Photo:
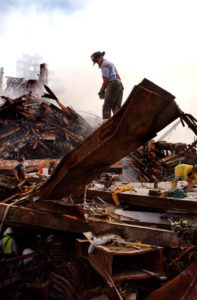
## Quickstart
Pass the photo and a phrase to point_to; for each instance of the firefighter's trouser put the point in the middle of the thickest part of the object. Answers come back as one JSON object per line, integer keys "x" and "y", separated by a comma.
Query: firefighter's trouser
{"x": 113, "y": 98}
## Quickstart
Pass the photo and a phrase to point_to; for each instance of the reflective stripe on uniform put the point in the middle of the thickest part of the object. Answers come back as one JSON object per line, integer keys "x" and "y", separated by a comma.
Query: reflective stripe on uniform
{"x": 7, "y": 245}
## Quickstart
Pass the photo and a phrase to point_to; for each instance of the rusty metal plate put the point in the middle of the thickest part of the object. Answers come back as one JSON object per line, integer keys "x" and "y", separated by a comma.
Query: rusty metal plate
{"x": 184, "y": 286}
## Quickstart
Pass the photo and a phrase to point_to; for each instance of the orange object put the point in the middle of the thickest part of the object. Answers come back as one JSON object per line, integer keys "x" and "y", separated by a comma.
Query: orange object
{"x": 40, "y": 170}
{"x": 156, "y": 171}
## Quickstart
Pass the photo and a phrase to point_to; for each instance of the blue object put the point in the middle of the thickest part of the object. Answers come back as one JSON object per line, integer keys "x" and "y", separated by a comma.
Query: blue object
{"x": 108, "y": 70}
{"x": 178, "y": 193}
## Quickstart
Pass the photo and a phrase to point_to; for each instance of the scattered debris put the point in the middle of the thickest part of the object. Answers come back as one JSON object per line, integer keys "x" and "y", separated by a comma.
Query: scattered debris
{"x": 155, "y": 161}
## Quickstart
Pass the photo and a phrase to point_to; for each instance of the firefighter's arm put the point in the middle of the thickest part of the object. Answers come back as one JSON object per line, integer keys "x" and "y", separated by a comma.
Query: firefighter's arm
{"x": 102, "y": 90}
{"x": 105, "y": 81}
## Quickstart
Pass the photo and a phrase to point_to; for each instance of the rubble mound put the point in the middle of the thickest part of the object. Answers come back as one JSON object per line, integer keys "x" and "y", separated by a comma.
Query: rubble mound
{"x": 37, "y": 129}
{"x": 155, "y": 161}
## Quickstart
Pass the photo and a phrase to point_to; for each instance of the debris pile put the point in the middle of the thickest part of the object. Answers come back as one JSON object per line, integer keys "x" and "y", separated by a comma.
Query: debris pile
{"x": 38, "y": 129}
{"x": 155, "y": 161}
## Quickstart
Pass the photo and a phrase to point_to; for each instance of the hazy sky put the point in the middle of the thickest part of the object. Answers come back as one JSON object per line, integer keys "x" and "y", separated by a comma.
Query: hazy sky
{"x": 151, "y": 39}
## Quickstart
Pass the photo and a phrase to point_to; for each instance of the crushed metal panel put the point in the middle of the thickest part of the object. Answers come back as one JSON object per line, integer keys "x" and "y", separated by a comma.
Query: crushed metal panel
{"x": 136, "y": 122}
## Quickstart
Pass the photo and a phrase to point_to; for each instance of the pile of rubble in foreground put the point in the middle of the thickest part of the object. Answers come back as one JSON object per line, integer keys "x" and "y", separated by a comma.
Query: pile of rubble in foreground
{"x": 93, "y": 248}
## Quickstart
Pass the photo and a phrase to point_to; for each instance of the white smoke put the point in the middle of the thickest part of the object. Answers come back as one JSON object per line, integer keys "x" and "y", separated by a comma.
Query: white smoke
{"x": 151, "y": 39}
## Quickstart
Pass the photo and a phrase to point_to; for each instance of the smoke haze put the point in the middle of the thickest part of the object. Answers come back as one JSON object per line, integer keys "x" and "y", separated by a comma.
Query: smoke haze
{"x": 145, "y": 39}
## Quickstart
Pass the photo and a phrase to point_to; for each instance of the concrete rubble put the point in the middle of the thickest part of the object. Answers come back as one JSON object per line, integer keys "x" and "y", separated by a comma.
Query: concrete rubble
{"x": 91, "y": 234}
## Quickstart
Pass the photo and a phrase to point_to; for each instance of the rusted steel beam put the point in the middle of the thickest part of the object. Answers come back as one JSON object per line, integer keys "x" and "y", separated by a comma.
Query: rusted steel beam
{"x": 23, "y": 216}
{"x": 154, "y": 236}
{"x": 147, "y": 110}
{"x": 185, "y": 205}
{"x": 184, "y": 286}
{"x": 54, "y": 207}
{"x": 121, "y": 265}
{"x": 192, "y": 247}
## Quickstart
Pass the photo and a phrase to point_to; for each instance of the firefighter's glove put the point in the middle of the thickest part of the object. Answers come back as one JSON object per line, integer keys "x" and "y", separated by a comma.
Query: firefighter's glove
{"x": 101, "y": 94}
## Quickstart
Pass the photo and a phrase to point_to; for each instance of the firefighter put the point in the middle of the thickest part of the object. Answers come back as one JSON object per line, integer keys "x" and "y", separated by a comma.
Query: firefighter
{"x": 188, "y": 172}
{"x": 112, "y": 89}
{"x": 8, "y": 244}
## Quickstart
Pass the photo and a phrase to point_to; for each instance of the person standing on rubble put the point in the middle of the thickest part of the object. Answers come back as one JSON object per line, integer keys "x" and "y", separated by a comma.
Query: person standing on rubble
{"x": 112, "y": 89}
{"x": 7, "y": 244}
{"x": 188, "y": 172}
{"x": 20, "y": 170}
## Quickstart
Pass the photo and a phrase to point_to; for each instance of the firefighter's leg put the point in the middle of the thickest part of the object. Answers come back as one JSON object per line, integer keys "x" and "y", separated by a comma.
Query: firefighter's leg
{"x": 110, "y": 93}
{"x": 118, "y": 94}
